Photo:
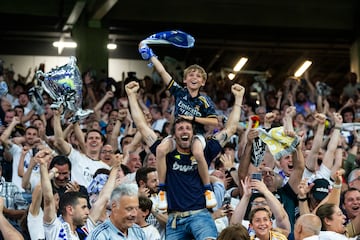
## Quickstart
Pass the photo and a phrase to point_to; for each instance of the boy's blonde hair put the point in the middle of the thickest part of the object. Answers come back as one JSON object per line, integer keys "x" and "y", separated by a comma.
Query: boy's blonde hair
{"x": 195, "y": 67}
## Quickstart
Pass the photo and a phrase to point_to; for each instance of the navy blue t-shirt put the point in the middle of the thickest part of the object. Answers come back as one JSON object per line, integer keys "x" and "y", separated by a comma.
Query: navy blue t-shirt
{"x": 199, "y": 106}
{"x": 184, "y": 186}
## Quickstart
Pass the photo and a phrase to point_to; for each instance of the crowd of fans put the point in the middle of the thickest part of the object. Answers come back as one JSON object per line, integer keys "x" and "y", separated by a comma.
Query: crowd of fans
{"x": 286, "y": 167}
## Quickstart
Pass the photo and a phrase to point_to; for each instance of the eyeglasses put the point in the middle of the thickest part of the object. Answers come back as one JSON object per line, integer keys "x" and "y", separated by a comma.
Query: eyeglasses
{"x": 264, "y": 173}
{"x": 260, "y": 203}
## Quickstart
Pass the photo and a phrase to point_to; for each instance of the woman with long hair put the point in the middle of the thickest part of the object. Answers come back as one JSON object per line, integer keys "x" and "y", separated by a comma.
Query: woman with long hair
{"x": 333, "y": 222}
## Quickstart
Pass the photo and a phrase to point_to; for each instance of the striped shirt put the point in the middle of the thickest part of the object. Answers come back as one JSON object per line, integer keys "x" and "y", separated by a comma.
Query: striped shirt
{"x": 107, "y": 231}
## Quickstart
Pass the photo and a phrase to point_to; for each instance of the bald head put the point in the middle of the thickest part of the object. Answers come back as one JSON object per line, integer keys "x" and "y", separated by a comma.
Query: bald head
{"x": 307, "y": 225}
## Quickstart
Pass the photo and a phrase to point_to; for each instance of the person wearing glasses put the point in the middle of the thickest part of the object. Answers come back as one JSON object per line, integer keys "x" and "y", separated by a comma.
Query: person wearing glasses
{"x": 263, "y": 198}
{"x": 106, "y": 154}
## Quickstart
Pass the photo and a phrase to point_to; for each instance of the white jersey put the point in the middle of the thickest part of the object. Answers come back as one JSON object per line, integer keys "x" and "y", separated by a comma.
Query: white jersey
{"x": 83, "y": 167}
{"x": 35, "y": 225}
{"x": 15, "y": 150}
{"x": 151, "y": 232}
{"x": 323, "y": 172}
{"x": 152, "y": 219}
{"x": 159, "y": 124}
{"x": 59, "y": 229}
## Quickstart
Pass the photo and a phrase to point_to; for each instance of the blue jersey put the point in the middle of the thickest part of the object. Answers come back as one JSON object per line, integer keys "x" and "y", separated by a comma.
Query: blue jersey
{"x": 199, "y": 106}
{"x": 186, "y": 191}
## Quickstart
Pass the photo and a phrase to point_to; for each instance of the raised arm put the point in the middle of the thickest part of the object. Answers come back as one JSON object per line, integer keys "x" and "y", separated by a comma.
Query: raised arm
{"x": 80, "y": 137}
{"x": 303, "y": 190}
{"x": 140, "y": 97}
{"x": 262, "y": 99}
{"x": 311, "y": 159}
{"x": 88, "y": 88}
{"x": 104, "y": 195}
{"x": 328, "y": 159}
{"x": 27, "y": 174}
{"x": 68, "y": 130}
{"x": 116, "y": 131}
{"x": 36, "y": 198}
{"x": 148, "y": 54}
{"x": 61, "y": 145}
{"x": 245, "y": 158}
{"x": 349, "y": 104}
{"x": 282, "y": 218}
{"x": 20, "y": 169}
{"x": 7, "y": 230}
{"x": 312, "y": 90}
{"x": 288, "y": 121}
{"x": 240, "y": 209}
{"x": 6, "y": 134}
{"x": 132, "y": 147}
{"x": 319, "y": 104}
{"x": 234, "y": 117}
{"x": 27, "y": 117}
{"x": 97, "y": 109}
{"x": 148, "y": 135}
{"x": 338, "y": 159}
{"x": 279, "y": 95}
{"x": 206, "y": 121}
{"x": 299, "y": 166}
{"x": 43, "y": 157}
{"x": 335, "y": 193}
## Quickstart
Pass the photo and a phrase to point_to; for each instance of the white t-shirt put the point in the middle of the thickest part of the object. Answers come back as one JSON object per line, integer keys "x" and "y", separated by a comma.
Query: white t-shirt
{"x": 130, "y": 178}
{"x": 330, "y": 235}
{"x": 315, "y": 237}
{"x": 34, "y": 180}
{"x": 35, "y": 225}
{"x": 151, "y": 232}
{"x": 83, "y": 167}
{"x": 15, "y": 150}
{"x": 323, "y": 172}
{"x": 159, "y": 124}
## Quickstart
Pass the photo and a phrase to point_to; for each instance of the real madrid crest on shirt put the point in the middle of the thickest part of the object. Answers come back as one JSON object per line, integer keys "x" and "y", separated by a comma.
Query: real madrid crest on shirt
{"x": 193, "y": 160}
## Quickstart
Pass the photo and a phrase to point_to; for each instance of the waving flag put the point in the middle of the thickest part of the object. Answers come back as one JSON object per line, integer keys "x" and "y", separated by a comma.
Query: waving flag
{"x": 278, "y": 143}
{"x": 176, "y": 37}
